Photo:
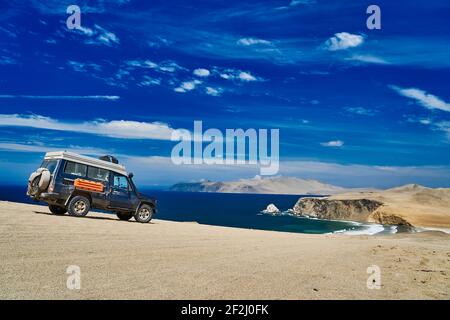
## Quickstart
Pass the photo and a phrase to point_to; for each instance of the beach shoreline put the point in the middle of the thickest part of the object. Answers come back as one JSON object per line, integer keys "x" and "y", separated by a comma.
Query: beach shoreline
{"x": 183, "y": 260}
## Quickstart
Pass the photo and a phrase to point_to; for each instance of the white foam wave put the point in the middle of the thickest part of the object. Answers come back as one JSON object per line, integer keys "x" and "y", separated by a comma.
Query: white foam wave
{"x": 446, "y": 230}
{"x": 366, "y": 229}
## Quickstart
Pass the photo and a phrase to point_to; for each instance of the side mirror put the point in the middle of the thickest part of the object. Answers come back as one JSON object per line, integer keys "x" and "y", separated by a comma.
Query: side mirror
{"x": 130, "y": 175}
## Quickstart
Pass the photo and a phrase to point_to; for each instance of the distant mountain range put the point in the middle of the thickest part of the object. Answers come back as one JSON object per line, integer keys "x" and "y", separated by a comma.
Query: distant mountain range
{"x": 272, "y": 185}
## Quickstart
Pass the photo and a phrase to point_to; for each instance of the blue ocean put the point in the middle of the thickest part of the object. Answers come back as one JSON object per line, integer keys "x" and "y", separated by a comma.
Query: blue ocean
{"x": 231, "y": 210}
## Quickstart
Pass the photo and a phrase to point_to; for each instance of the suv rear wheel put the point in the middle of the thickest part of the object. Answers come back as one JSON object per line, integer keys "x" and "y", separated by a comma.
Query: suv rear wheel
{"x": 124, "y": 215}
{"x": 57, "y": 209}
{"x": 79, "y": 206}
{"x": 144, "y": 214}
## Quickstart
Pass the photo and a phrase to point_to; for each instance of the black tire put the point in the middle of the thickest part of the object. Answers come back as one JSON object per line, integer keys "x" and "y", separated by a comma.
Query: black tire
{"x": 79, "y": 206}
{"x": 124, "y": 215}
{"x": 144, "y": 214}
{"x": 58, "y": 210}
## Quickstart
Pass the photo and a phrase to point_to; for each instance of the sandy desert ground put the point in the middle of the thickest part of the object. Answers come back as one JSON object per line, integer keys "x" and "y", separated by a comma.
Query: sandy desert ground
{"x": 173, "y": 260}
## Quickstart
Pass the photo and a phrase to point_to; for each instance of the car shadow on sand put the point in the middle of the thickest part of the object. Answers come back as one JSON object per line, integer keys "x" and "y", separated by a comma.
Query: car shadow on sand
{"x": 89, "y": 217}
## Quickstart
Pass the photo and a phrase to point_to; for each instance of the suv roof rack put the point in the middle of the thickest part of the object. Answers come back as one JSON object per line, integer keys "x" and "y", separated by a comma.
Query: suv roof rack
{"x": 71, "y": 156}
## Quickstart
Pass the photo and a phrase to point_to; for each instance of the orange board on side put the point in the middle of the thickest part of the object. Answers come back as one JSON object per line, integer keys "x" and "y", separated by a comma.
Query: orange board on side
{"x": 88, "y": 185}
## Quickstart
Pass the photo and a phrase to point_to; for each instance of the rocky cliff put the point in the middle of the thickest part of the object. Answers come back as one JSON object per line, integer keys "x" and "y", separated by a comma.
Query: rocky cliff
{"x": 357, "y": 210}
{"x": 409, "y": 205}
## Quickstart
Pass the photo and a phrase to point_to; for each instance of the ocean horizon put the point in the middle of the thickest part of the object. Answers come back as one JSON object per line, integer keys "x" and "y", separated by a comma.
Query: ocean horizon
{"x": 237, "y": 210}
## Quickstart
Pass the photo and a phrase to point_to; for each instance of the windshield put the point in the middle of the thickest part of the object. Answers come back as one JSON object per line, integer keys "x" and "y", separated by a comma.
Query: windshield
{"x": 50, "y": 165}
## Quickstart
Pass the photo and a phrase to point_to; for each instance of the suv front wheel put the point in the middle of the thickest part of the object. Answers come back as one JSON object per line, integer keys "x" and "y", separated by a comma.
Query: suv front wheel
{"x": 79, "y": 206}
{"x": 144, "y": 214}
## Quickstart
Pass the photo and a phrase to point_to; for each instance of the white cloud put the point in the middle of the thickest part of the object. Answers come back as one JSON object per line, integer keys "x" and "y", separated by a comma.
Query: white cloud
{"x": 333, "y": 143}
{"x": 361, "y": 111}
{"x": 367, "y": 59}
{"x": 167, "y": 66}
{"x": 423, "y": 98}
{"x": 107, "y": 37}
{"x": 235, "y": 74}
{"x": 295, "y": 3}
{"x": 213, "y": 92}
{"x": 187, "y": 86}
{"x": 425, "y": 121}
{"x": 343, "y": 40}
{"x": 246, "y": 76}
{"x": 252, "y": 41}
{"x": 86, "y": 31}
{"x": 83, "y": 66}
{"x": 149, "y": 81}
{"x": 96, "y": 97}
{"x": 141, "y": 64}
{"x": 116, "y": 128}
{"x": 98, "y": 35}
{"x": 201, "y": 72}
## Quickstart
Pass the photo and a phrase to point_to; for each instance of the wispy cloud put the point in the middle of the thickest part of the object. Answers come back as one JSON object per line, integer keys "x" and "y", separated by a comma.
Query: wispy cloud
{"x": 333, "y": 144}
{"x": 361, "y": 111}
{"x": 83, "y": 66}
{"x": 252, "y": 42}
{"x": 106, "y": 37}
{"x": 23, "y": 147}
{"x": 124, "y": 129}
{"x": 366, "y": 58}
{"x": 234, "y": 74}
{"x": 201, "y": 72}
{"x": 4, "y": 60}
{"x": 213, "y": 91}
{"x": 95, "y": 97}
{"x": 444, "y": 126}
{"x": 187, "y": 86}
{"x": 149, "y": 81}
{"x": 423, "y": 98}
{"x": 97, "y": 35}
{"x": 166, "y": 66}
{"x": 9, "y": 33}
{"x": 343, "y": 40}
{"x": 295, "y": 3}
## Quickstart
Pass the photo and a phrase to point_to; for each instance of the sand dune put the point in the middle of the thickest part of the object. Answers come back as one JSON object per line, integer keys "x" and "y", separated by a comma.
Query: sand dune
{"x": 173, "y": 260}
{"x": 418, "y": 205}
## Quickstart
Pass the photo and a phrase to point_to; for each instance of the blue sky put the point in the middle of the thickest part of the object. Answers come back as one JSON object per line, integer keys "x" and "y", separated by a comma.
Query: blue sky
{"x": 355, "y": 107}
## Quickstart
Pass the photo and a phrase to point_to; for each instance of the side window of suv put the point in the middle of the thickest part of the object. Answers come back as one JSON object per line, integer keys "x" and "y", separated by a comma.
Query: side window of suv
{"x": 98, "y": 174}
{"x": 120, "y": 182}
{"x": 76, "y": 169}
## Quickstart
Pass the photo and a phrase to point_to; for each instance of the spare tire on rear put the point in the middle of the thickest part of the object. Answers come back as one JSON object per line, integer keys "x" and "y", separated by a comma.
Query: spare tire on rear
{"x": 38, "y": 181}
{"x": 45, "y": 180}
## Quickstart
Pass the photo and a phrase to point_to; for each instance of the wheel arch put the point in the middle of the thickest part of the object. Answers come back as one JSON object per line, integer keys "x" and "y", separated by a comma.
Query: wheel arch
{"x": 149, "y": 203}
{"x": 79, "y": 193}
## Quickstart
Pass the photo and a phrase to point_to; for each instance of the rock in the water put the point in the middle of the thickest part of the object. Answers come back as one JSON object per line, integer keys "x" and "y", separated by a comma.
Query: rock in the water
{"x": 271, "y": 209}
